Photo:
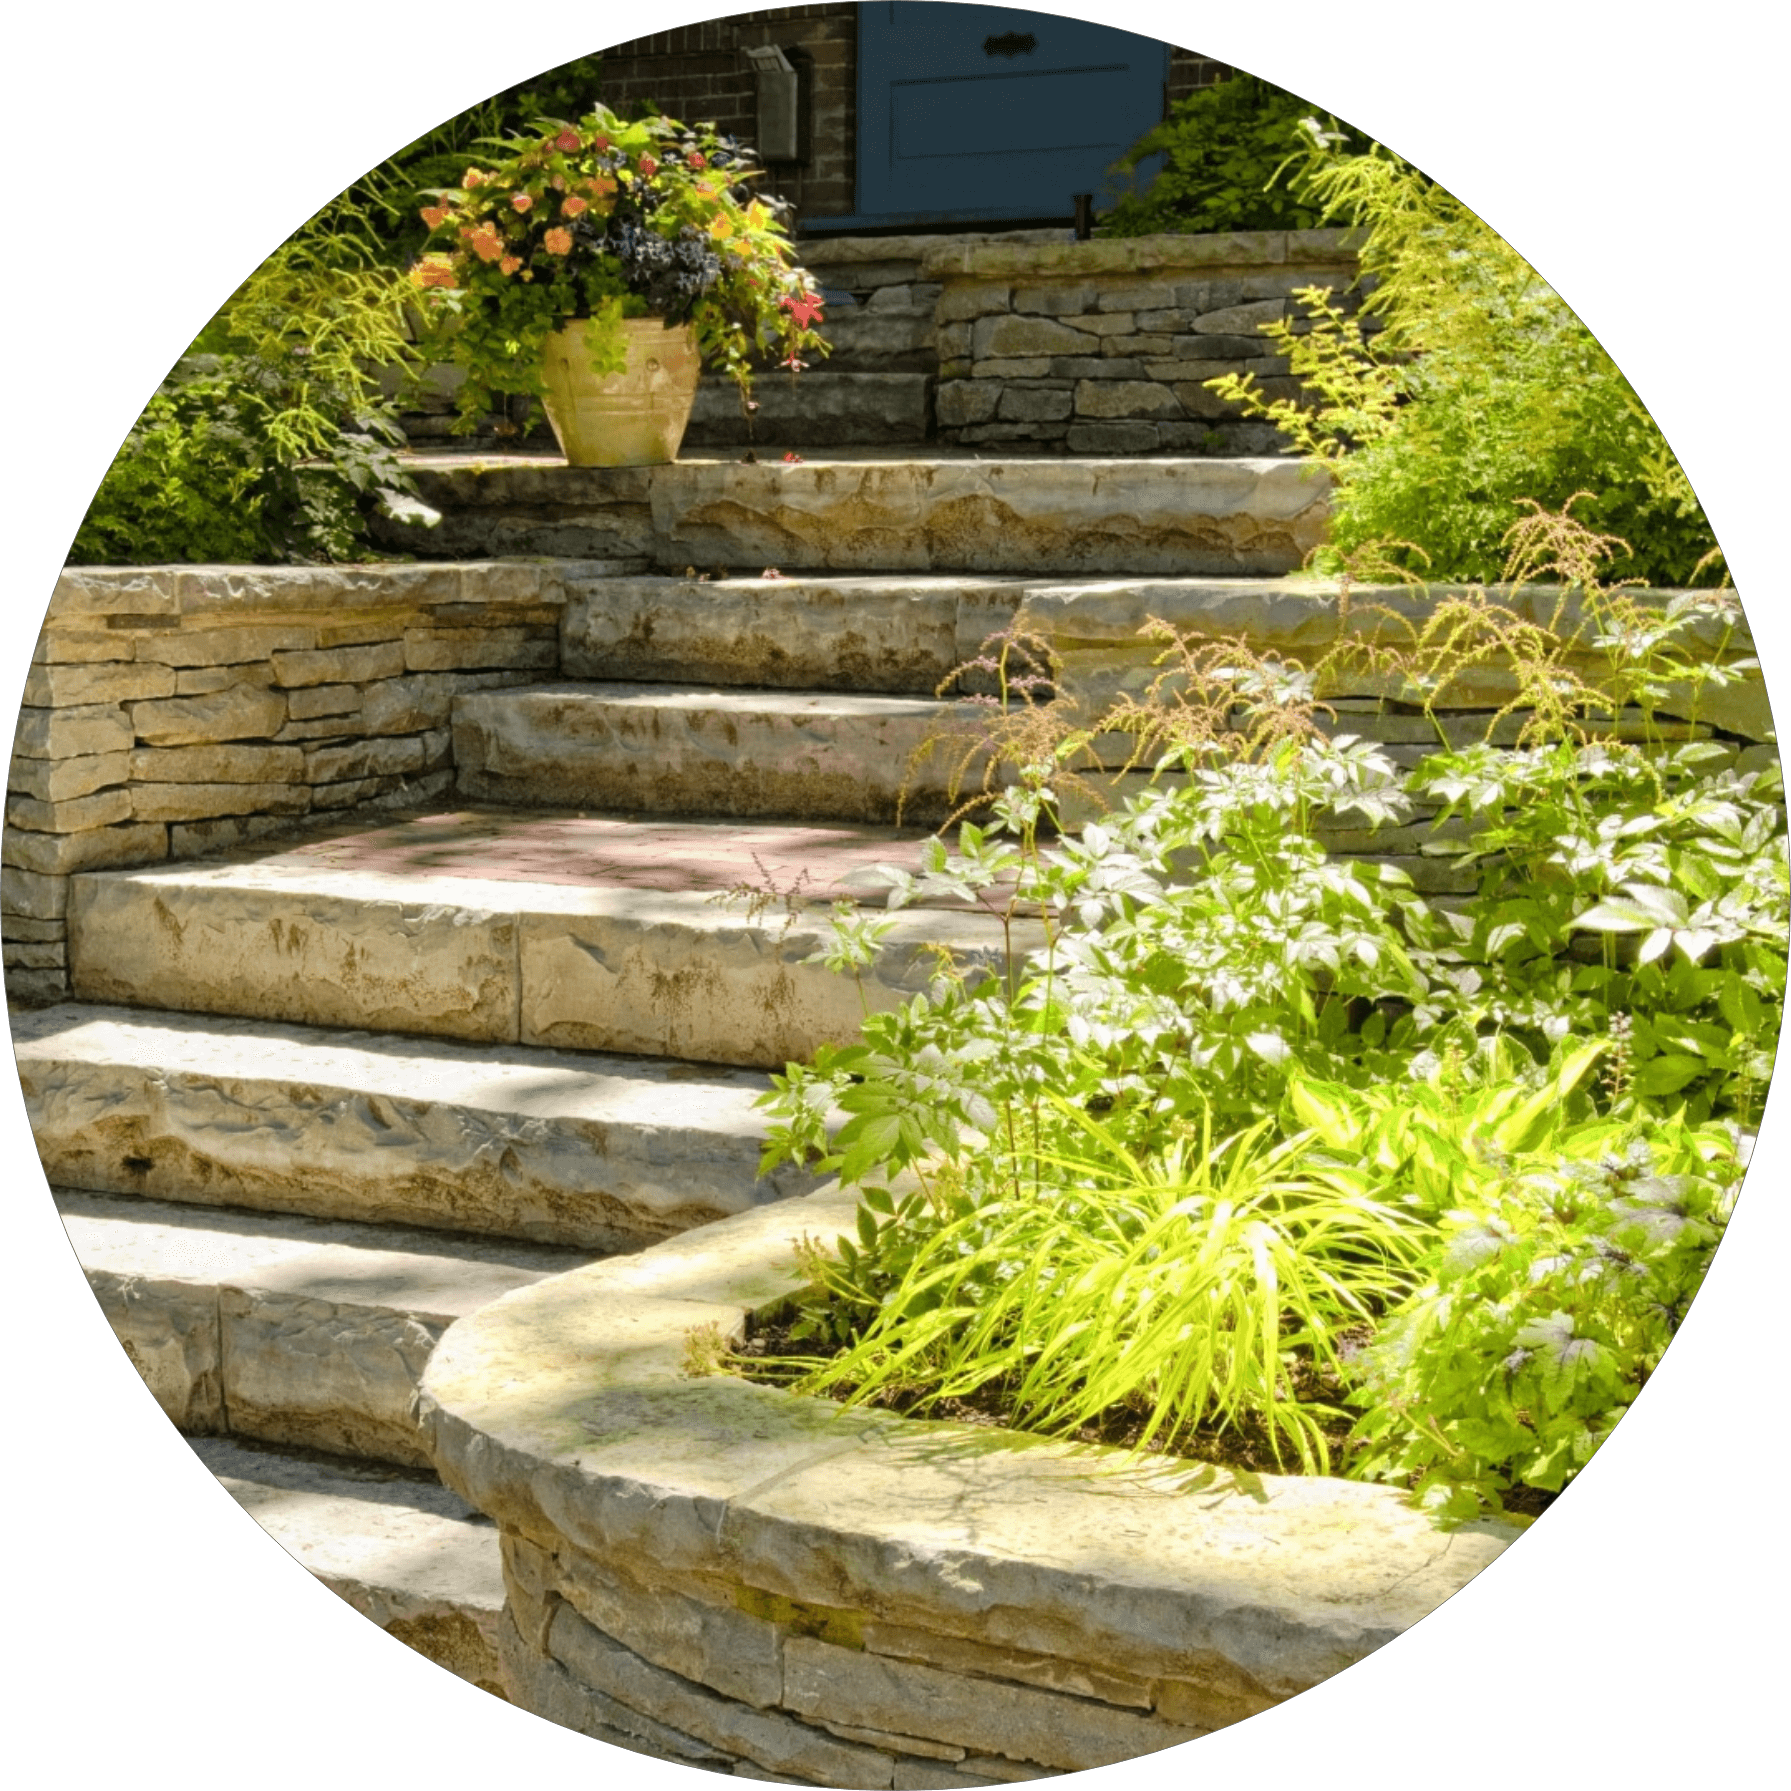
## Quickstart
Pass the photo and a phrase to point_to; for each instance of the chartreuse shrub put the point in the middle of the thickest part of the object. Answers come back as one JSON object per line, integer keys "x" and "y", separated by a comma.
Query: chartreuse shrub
{"x": 1222, "y": 148}
{"x": 1480, "y": 391}
{"x": 271, "y": 438}
{"x": 1248, "y": 1132}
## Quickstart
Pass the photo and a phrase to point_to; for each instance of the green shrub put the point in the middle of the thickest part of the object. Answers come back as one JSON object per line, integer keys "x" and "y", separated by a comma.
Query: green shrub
{"x": 1221, "y": 147}
{"x": 1481, "y": 392}
{"x": 271, "y": 439}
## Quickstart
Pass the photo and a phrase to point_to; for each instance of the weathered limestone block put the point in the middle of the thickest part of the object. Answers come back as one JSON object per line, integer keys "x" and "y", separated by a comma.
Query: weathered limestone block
{"x": 1049, "y": 1672}
{"x": 68, "y": 646}
{"x": 1138, "y": 346}
{"x": 1239, "y": 320}
{"x": 390, "y": 755}
{"x": 330, "y": 948}
{"x": 62, "y": 780}
{"x": 961, "y": 401}
{"x": 871, "y": 634}
{"x": 1114, "y": 438}
{"x": 963, "y": 300}
{"x": 338, "y": 665}
{"x": 78, "y": 814}
{"x": 1036, "y": 404}
{"x": 201, "y": 839}
{"x": 679, "y": 976}
{"x": 1029, "y": 367}
{"x": 69, "y": 686}
{"x": 655, "y": 749}
{"x": 539, "y": 1683}
{"x": 1059, "y": 299}
{"x": 1125, "y": 398}
{"x": 223, "y": 646}
{"x": 169, "y": 1329}
{"x": 769, "y": 1738}
{"x": 35, "y": 895}
{"x": 62, "y": 854}
{"x": 600, "y": 1153}
{"x": 241, "y": 712}
{"x": 1019, "y": 1721}
{"x": 206, "y": 680}
{"x": 198, "y": 802}
{"x": 323, "y": 699}
{"x": 1011, "y": 337}
{"x": 217, "y": 764}
{"x": 466, "y": 649}
{"x": 34, "y": 954}
{"x": 86, "y": 730}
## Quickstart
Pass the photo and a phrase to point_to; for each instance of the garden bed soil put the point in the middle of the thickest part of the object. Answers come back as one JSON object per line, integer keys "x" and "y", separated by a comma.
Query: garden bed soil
{"x": 1245, "y": 1450}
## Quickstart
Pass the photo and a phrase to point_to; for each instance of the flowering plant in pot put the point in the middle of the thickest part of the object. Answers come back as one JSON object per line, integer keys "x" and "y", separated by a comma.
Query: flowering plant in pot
{"x": 598, "y": 265}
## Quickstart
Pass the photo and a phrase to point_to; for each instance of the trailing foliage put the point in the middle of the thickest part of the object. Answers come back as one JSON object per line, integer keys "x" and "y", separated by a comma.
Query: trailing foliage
{"x": 1222, "y": 147}
{"x": 1480, "y": 391}
{"x": 271, "y": 439}
{"x": 1237, "y": 1103}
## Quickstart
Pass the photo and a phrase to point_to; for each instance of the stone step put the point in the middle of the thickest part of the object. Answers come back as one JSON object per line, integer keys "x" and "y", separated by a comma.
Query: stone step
{"x": 881, "y": 511}
{"x": 901, "y": 634}
{"x": 402, "y": 1549}
{"x": 562, "y": 931}
{"x": 305, "y": 1332}
{"x": 601, "y": 1153}
{"x": 665, "y": 750}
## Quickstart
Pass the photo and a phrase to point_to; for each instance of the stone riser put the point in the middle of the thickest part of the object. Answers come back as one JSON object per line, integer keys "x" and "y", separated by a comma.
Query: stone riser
{"x": 1174, "y": 518}
{"x": 557, "y": 966}
{"x": 654, "y": 749}
{"x": 597, "y": 1153}
{"x": 885, "y": 635}
{"x": 287, "y": 1330}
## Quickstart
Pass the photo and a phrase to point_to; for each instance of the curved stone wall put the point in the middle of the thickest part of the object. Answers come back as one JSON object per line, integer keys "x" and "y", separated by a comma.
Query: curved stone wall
{"x": 725, "y": 1574}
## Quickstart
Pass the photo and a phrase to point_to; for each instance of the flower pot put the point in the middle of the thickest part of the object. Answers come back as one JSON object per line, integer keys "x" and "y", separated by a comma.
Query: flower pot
{"x": 633, "y": 418}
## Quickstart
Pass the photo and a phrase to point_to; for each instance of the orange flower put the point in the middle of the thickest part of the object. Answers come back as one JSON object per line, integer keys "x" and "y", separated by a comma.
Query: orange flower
{"x": 720, "y": 226}
{"x": 431, "y": 272}
{"x": 601, "y": 189}
{"x": 697, "y": 160}
{"x": 509, "y": 264}
{"x": 485, "y": 244}
{"x": 521, "y": 201}
{"x": 435, "y": 216}
{"x": 572, "y": 205}
{"x": 557, "y": 241}
{"x": 600, "y": 142}
{"x": 473, "y": 178}
{"x": 648, "y": 167}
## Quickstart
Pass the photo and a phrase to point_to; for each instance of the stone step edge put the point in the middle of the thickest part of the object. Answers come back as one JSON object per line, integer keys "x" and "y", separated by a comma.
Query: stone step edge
{"x": 401, "y": 1550}
{"x": 592, "y": 1152}
{"x": 285, "y": 1329}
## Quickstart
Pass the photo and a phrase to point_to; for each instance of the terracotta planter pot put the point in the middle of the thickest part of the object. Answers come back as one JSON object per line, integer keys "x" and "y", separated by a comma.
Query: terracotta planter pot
{"x": 633, "y": 418}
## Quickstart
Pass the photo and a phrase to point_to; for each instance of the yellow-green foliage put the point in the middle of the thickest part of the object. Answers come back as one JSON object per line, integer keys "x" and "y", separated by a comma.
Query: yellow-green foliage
{"x": 1480, "y": 390}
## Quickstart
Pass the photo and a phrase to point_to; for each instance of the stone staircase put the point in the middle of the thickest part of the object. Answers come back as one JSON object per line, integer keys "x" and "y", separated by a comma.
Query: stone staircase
{"x": 315, "y": 1098}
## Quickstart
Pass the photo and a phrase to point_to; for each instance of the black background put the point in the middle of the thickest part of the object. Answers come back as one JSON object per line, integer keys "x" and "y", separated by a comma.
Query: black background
{"x": 151, "y": 172}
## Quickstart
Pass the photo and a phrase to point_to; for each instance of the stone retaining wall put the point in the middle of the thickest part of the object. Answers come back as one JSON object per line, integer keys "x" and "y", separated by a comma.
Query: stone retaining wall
{"x": 727, "y": 1575}
{"x": 173, "y": 711}
{"x": 1103, "y": 347}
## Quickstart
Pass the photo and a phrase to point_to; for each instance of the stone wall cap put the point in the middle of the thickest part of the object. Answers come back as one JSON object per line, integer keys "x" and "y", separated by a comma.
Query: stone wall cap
{"x": 995, "y": 260}
{"x": 564, "y": 1409}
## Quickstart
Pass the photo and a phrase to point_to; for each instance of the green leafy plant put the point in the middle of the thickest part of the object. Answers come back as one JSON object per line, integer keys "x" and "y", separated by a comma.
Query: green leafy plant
{"x": 1481, "y": 391}
{"x": 1221, "y": 150}
{"x": 606, "y": 219}
{"x": 271, "y": 439}
{"x": 1204, "y": 1285}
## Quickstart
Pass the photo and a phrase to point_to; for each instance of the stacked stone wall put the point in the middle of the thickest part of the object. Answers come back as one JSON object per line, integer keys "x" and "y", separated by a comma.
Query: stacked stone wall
{"x": 1104, "y": 347}
{"x": 171, "y": 712}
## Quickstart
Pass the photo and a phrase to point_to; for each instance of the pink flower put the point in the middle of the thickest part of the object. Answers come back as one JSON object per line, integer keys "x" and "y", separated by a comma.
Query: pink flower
{"x": 567, "y": 140}
{"x": 803, "y": 308}
{"x": 521, "y": 201}
{"x": 696, "y": 159}
{"x": 648, "y": 167}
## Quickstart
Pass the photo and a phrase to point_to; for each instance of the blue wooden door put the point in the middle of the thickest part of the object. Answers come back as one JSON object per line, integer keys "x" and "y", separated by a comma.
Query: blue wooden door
{"x": 970, "y": 112}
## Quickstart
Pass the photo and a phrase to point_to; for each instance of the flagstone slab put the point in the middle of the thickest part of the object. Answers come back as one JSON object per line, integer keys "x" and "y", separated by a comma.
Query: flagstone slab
{"x": 601, "y": 1152}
